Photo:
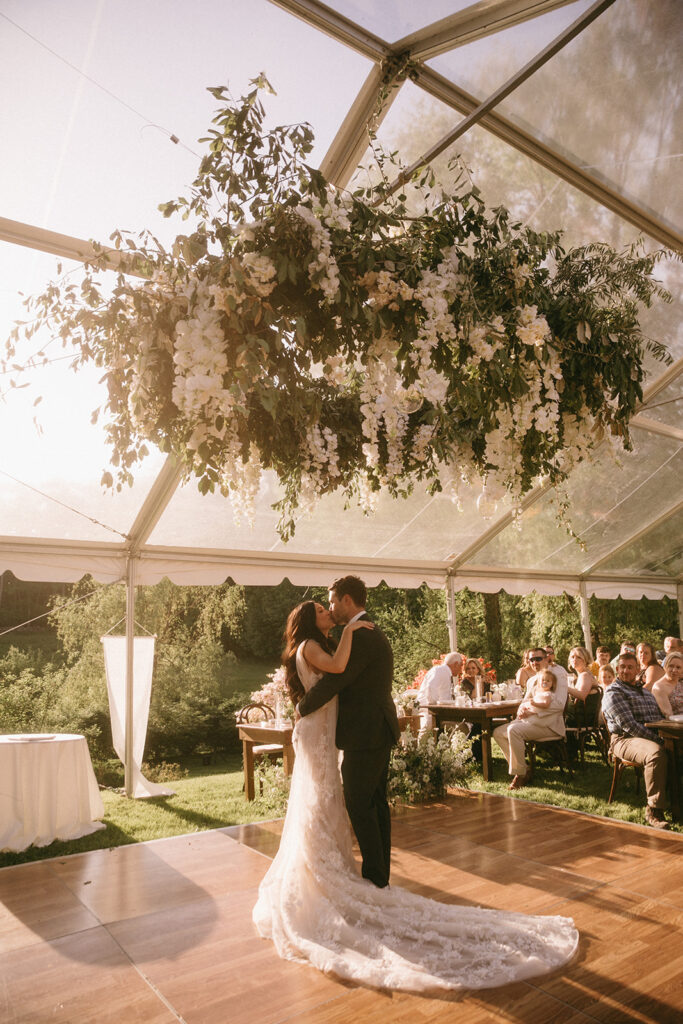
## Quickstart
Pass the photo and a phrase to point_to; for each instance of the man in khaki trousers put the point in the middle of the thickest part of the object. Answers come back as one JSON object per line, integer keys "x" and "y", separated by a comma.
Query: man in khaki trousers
{"x": 545, "y": 724}
{"x": 626, "y": 706}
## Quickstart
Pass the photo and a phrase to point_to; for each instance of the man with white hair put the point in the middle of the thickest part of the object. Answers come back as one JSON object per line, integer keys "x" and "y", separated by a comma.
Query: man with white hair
{"x": 437, "y": 686}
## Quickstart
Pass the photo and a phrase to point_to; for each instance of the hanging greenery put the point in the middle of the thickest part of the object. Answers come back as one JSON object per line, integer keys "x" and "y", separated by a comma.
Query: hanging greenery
{"x": 353, "y": 342}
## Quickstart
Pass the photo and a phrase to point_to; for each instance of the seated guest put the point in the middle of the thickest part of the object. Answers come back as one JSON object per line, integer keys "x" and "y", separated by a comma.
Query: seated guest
{"x": 606, "y": 675}
{"x": 671, "y": 643}
{"x": 584, "y": 693}
{"x": 472, "y": 674}
{"x": 540, "y": 695}
{"x": 532, "y": 722}
{"x": 524, "y": 672}
{"x": 560, "y": 672}
{"x": 650, "y": 669}
{"x": 626, "y": 647}
{"x": 437, "y": 686}
{"x": 602, "y": 657}
{"x": 626, "y": 707}
{"x": 668, "y": 690}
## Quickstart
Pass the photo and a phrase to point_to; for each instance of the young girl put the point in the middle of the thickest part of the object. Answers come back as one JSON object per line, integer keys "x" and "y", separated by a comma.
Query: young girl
{"x": 606, "y": 676}
{"x": 540, "y": 696}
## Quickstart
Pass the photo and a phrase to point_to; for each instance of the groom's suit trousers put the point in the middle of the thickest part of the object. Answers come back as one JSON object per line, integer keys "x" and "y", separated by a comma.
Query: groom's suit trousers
{"x": 364, "y": 774}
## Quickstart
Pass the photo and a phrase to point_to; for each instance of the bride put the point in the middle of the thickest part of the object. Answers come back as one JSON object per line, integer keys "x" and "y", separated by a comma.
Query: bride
{"x": 316, "y": 908}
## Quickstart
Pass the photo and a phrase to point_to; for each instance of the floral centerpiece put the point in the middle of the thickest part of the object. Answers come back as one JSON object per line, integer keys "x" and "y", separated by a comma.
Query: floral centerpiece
{"x": 353, "y": 342}
{"x": 275, "y": 694}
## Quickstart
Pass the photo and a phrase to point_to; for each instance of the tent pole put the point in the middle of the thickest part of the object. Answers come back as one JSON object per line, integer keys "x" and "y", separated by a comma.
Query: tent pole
{"x": 130, "y": 639}
{"x": 450, "y": 604}
{"x": 585, "y": 618}
{"x": 679, "y": 594}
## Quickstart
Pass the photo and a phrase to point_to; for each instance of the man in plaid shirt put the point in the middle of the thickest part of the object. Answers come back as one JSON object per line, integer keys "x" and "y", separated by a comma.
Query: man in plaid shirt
{"x": 626, "y": 706}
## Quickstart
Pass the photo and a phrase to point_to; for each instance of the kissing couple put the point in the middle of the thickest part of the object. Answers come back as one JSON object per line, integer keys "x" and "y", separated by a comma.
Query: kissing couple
{"x": 312, "y": 902}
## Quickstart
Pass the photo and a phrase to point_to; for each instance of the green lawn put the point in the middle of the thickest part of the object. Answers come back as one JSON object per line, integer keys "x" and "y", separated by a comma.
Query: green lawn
{"x": 586, "y": 791}
{"x": 211, "y": 797}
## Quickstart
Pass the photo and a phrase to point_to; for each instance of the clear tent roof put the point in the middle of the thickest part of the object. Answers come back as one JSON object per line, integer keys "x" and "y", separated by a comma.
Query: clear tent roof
{"x": 591, "y": 143}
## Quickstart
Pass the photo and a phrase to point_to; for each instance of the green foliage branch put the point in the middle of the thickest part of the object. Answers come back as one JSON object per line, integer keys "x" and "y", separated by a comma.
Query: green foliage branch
{"x": 352, "y": 342}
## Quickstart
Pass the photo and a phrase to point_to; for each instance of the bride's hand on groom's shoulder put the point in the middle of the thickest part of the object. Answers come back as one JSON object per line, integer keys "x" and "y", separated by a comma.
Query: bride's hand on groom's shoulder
{"x": 353, "y": 626}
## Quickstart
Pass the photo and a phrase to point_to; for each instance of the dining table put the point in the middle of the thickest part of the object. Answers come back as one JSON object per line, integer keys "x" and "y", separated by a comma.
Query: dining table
{"x": 671, "y": 735}
{"x": 483, "y": 713}
{"x": 48, "y": 790}
{"x": 268, "y": 733}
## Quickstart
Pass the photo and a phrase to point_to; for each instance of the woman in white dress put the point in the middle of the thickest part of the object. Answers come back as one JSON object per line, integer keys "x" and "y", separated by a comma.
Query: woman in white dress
{"x": 315, "y": 906}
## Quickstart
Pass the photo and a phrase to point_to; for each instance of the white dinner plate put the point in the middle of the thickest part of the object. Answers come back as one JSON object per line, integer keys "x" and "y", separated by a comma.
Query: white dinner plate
{"x": 24, "y": 736}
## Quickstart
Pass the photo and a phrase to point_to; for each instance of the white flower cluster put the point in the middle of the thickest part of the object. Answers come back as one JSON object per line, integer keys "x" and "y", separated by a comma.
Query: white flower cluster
{"x": 532, "y": 329}
{"x": 260, "y": 272}
{"x": 241, "y": 480}
{"x": 380, "y": 408}
{"x": 319, "y": 463}
{"x": 486, "y": 339}
{"x": 201, "y": 363}
{"x": 323, "y": 271}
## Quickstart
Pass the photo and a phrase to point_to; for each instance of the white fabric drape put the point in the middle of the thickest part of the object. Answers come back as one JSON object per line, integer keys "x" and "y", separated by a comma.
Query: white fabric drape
{"x": 143, "y": 664}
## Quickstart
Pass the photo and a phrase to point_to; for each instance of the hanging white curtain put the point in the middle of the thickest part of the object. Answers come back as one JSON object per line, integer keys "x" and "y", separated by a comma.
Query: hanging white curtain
{"x": 143, "y": 665}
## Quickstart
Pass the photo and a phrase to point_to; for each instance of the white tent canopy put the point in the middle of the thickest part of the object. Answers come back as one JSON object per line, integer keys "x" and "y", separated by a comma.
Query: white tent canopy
{"x": 586, "y": 142}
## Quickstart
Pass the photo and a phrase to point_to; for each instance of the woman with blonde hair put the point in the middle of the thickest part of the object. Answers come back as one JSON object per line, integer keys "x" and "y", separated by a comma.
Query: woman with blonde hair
{"x": 585, "y": 693}
{"x": 668, "y": 689}
{"x": 586, "y": 683}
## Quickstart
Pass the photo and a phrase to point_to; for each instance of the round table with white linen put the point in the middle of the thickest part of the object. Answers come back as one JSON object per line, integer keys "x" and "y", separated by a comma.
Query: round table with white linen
{"x": 48, "y": 790}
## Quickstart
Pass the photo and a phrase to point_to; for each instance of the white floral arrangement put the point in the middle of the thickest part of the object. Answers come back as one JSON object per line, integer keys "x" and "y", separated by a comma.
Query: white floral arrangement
{"x": 423, "y": 768}
{"x": 354, "y": 342}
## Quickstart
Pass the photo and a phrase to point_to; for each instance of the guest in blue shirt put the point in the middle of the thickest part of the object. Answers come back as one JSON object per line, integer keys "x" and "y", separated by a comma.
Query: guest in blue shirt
{"x": 626, "y": 707}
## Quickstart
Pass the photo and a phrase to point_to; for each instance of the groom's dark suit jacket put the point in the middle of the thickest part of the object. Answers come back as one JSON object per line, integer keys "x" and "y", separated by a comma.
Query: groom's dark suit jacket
{"x": 367, "y": 715}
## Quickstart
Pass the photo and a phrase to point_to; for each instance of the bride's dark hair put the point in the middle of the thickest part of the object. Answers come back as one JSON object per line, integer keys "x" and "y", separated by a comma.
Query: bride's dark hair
{"x": 300, "y": 626}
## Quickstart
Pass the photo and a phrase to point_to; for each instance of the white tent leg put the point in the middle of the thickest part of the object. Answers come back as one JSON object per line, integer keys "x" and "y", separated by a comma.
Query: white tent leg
{"x": 130, "y": 640}
{"x": 679, "y": 594}
{"x": 452, "y": 623}
{"x": 585, "y": 618}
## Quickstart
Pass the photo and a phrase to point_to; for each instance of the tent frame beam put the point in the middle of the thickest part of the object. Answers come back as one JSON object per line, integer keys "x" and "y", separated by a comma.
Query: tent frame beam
{"x": 496, "y": 97}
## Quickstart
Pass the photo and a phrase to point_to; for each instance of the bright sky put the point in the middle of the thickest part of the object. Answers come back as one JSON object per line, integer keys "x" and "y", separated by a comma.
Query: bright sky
{"x": 84, "y": 160}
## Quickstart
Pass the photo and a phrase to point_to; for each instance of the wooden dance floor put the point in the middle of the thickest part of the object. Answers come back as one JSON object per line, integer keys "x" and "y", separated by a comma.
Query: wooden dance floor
{"x": 161, "y": 932}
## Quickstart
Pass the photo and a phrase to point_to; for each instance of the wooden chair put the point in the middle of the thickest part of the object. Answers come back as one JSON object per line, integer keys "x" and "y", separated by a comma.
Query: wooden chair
{"x": 619, "y": 764}
{"x": 556, "y": 747}
{"x": 257, "y": 712}
{"x": 587, "y": 725}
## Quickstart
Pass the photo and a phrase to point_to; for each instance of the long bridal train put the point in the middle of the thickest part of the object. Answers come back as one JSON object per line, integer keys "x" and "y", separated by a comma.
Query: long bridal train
{"x": 316, "y": 908}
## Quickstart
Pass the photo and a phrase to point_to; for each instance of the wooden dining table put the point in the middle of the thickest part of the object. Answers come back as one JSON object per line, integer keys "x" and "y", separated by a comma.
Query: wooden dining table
{"x": 254, "y": 734}
{"x": 481, "y": 713}
{"x": 671, "y": 734}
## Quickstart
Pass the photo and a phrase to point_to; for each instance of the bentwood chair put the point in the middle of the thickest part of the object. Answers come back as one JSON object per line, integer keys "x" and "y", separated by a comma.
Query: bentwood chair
{"x": 253, "y": 713}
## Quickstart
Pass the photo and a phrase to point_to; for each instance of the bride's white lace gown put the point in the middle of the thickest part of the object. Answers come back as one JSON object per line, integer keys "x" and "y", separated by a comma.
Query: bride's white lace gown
{"x": 317, "y": 909}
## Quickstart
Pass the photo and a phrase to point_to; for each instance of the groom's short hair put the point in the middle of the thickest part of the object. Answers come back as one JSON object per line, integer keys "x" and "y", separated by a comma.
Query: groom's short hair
{"x": 354, "y": 587}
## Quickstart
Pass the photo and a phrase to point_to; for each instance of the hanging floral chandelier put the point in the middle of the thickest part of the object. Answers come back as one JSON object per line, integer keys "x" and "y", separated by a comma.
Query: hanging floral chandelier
{"x": 353, "y": 342}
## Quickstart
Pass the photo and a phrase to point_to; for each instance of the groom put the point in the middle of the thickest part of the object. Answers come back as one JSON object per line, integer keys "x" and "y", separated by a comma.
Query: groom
{"x": 367, "y": 727}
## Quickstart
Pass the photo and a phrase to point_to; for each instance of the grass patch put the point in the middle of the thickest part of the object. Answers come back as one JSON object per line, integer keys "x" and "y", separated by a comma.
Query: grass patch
{"x": 210, "y": 797}
{"x": 586, "y": 791}
{"x": 247, "y": 676}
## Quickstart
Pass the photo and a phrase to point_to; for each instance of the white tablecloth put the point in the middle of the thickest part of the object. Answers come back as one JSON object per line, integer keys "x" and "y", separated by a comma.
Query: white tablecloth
{"x": 48, "y": 791}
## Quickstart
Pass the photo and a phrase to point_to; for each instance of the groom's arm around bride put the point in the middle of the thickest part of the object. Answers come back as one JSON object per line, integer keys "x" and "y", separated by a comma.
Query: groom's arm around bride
{"x": 367, "y": 727}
